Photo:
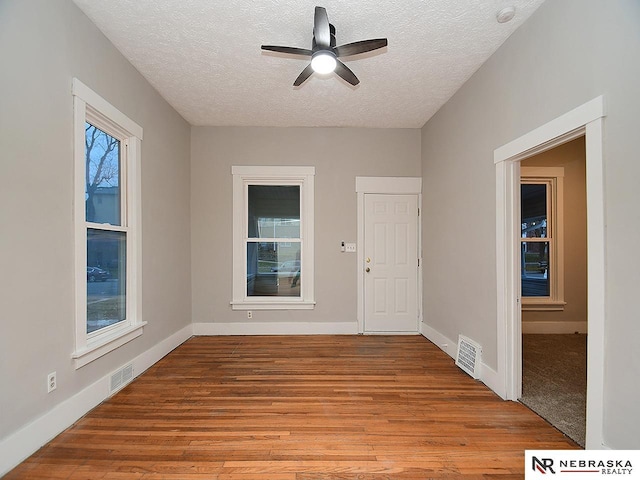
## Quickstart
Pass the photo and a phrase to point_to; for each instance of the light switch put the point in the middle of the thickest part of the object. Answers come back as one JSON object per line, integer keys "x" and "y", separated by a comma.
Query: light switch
{"x": 350, "y": 247}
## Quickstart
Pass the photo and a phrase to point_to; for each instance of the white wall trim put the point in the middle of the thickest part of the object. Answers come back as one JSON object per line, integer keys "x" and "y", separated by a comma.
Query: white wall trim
{"x": 107, "y": 344}
{"x": 275, "y": 328}
{"x": 596, "y": 284}
{"x": 488, "y": 375}
{"x": 445, "y": 344}
{"x": 283, "y": 304}
{"x": 79, "y": 89}
{"x": 273, "y": 171}
{"x": 563, "y": 129}
{"x": 24, "y": 442}
{"x": 584, "y": 120}
{"x": 389, "y": 185}
{"x": 554, "y": 327}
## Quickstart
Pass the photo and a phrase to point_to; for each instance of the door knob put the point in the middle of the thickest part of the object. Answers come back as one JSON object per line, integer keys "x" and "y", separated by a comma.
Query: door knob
{"x": 367, "y": 269}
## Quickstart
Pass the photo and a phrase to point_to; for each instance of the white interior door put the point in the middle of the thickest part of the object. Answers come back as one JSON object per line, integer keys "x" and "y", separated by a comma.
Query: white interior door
{"x": 391, "y": 263}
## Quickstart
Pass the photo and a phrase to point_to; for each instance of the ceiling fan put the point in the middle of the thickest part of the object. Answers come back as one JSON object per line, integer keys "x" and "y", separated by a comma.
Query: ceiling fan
{"x": 325, "y": 56}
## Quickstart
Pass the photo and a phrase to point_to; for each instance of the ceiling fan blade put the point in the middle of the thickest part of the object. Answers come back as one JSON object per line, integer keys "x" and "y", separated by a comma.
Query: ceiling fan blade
{"x": 321, "y": 29}
{"x": 360, "y": 47}
{"x": 306, "y": 73}
{"x": 291, "y": 50}
{"x": 346, "y": 74}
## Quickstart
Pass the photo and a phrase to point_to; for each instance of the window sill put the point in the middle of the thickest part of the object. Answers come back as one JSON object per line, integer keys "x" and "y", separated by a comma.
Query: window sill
{"x": 543, "y": 306}
{"x": 105, "y": 344}
{"x": 273, "y": 305}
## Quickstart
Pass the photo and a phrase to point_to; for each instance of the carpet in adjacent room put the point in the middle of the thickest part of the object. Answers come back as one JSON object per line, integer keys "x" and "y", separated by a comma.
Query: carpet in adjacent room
{"x": 554, "y": 380}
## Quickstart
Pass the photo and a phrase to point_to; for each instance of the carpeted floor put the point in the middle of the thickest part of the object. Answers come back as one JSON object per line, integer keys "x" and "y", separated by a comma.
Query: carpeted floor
{"x": 554, "y": 380}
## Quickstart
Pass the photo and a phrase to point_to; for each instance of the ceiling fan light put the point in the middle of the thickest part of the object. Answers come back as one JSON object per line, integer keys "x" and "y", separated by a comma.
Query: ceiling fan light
{"x": 323, "y": 62}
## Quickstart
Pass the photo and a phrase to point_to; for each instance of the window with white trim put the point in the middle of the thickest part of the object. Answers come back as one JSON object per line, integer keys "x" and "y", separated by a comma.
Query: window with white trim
{"x": 273, "y": 238}
{"x": 106, "y": 216}
{"x": 541, "y": 242}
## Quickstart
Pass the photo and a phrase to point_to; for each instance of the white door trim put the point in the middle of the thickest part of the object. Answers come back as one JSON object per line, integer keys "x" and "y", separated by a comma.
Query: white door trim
{"x": 584, "y": 120}
{"x": 391, "y": 186}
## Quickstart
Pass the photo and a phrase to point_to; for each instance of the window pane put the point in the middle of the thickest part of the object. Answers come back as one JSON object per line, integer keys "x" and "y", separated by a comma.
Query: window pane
{"x": 102, "y": 176}
{"x": 535, "y": 269}
{"x": 273, "y": 269}
{"x": 106, "y": 278}
{"x": 533, "y": 213}
{"x": 274, "y": 211}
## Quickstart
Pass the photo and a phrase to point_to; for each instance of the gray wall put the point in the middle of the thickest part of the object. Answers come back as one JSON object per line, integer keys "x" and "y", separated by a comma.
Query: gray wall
{"x": 43, "y": 44}
{"x": 339, "y": 155}
{"x": 567, "y": 53}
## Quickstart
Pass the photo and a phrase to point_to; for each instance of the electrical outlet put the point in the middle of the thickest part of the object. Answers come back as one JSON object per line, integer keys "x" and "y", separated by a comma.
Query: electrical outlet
{"x": 249, "y": 314}
{"x": 52, "y": 383}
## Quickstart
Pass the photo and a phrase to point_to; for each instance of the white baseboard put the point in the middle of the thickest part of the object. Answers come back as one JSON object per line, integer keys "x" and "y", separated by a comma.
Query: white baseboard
{"x": 490, "y": 378}
{"x": 445, "y": 344}
{"x": 488, "y": 375}
{"x": 24, "y": 442}
{"x": 147, "y": 359}
{"x": 276, "y": 328}
{"x": 554, "y": 327}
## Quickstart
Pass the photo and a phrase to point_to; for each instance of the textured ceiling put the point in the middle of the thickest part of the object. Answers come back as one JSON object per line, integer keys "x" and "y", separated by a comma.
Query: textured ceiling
{"x": 204, "y": 56}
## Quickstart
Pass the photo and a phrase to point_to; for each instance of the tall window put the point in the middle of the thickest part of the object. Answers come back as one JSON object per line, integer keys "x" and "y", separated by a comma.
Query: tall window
{"x": 273, "y": 237}
{"x": 542, "y": 272}
{"x": 107, "y": 165}
{"x": 106, "y": 229}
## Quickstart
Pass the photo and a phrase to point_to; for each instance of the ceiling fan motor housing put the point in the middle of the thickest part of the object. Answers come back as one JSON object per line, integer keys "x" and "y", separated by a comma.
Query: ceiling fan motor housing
{"x": 332, "y": 32}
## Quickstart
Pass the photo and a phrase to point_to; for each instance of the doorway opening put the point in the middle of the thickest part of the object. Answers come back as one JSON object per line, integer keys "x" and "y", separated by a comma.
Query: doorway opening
{"x": 585, "y": 120}
{"x": 553, "y": 273}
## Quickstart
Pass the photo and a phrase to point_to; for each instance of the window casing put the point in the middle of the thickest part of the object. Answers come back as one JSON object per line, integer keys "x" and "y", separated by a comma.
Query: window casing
{"x": 541, "y": 241}
{"x": 273, "y": 238}
{"x": 106, "y": 217}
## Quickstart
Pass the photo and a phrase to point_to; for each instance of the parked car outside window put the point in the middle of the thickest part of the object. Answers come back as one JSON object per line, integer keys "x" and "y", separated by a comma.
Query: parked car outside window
{"x": 96, "y": 274}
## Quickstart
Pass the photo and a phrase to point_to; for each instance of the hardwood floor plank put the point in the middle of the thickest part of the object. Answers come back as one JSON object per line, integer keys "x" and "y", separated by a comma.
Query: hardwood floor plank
{"x": 299, "y": 408}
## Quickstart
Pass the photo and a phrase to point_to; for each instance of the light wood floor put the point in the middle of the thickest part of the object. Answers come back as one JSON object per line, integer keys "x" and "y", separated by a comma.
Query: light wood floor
{"x": 299, "y": 407}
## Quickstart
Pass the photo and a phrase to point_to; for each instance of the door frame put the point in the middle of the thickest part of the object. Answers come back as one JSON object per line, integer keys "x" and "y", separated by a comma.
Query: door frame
{"x": 585, "y": 120}
{"x": 388, "y": 186}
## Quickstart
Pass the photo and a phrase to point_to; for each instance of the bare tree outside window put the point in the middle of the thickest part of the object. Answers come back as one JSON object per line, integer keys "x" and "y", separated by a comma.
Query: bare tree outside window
{"x": 102, "y": 176}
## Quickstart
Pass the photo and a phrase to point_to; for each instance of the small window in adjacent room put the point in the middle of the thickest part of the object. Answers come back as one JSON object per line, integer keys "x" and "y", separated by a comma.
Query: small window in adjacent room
{"x": 107, "y": 210}
{"x": 541, "y": 246}
{"x": 273, "y": 237}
